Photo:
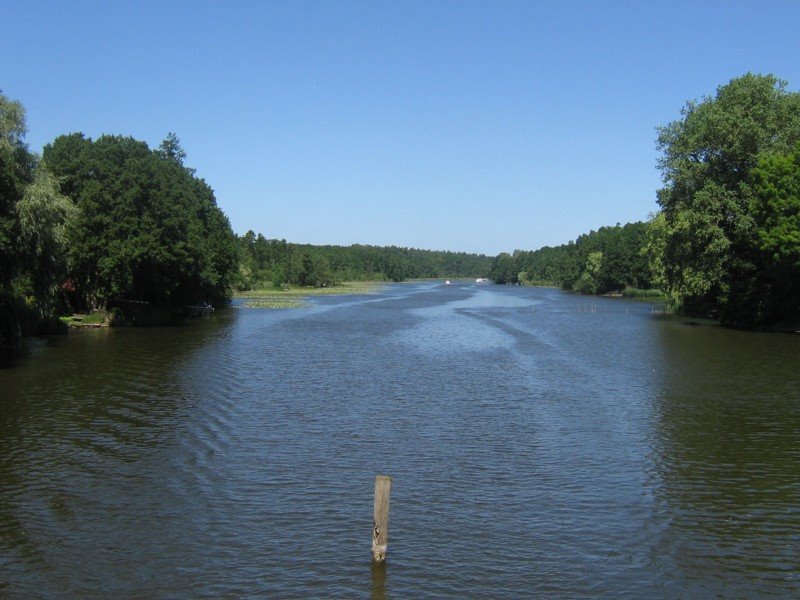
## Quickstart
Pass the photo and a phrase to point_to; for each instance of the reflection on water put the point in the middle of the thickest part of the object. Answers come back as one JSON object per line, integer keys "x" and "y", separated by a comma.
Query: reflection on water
{"x": 729, "y": 423}
{"x": 541, "y": 444}
{"x": 379, "y": 578}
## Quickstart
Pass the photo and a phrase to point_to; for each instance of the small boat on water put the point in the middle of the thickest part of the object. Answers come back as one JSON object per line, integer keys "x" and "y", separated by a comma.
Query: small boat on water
{"x": 447, "y": 282}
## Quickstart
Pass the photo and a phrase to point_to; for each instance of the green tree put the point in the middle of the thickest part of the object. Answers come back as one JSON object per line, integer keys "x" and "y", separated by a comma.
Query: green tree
{"x": 776, "y": 211}
{"x": 654, "y": 250}
{"x": 776, "y": 207}
{"x": 504, "y": 269}
{"x": 17, "y": 166}
{"x": 587, "y": 283}
{"x": 316, "y": 271}
{"x": 32, "y": 221}
{"x": 170, "y": 149}
{"x": 44, "y": 215}
{"x": 397, "y": 266}
{"x": 711, "y": 262}
{"x": 623, "y": 262}
{"x": 147, "y": 229}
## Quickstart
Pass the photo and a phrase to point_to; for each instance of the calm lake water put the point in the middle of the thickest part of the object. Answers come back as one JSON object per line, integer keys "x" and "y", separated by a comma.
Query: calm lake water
{"x": 541, "y": 445}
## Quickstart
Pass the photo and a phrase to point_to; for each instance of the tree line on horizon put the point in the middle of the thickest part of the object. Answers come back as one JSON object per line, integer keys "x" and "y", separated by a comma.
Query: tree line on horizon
{"x": 270, "y": 262}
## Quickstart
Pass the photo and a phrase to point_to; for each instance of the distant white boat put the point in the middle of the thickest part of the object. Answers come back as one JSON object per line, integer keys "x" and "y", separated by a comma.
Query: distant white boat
{"x": 481, "y": 280}
{"x": 447, "y": 282}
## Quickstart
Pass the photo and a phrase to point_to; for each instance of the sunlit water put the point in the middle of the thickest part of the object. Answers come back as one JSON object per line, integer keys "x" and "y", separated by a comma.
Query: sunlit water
{"x": 541, "y": 445}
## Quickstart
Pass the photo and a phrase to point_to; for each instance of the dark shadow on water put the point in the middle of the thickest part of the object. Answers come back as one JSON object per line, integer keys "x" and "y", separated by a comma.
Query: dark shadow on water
{"x": 379, "y": 578}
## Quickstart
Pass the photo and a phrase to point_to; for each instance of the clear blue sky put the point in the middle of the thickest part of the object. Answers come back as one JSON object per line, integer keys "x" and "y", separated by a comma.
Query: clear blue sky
{"x": 475, "y": 126}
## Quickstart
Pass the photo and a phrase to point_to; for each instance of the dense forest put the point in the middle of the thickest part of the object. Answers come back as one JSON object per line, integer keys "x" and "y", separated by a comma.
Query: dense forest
{"x": 266, "y": 262}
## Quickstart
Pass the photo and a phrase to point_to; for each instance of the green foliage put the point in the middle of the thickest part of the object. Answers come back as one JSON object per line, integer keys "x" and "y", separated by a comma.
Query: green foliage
{"x": 776, "y": 212}
{"x": 315, "y": 271}
{"x": 263, "y": 261}
{"x": 392, "y": 263}
{"x": 776, "y": 208}
{"x": 712, "y": 263}
{"x": 146, "y": 229}
{"x": 588, "y": 281}
{"x": 654, "y": 248}
{"x": 504, "y": 269}
{"x": 18, "y": 317}
{"x": 17, "y": 165}
{"x": 44, "y": 215}
{"x": 601, "y": 261}
{"x": 170, "y": 149}
{"x": 637, "y": 293}
{"x": 12, "y": 122}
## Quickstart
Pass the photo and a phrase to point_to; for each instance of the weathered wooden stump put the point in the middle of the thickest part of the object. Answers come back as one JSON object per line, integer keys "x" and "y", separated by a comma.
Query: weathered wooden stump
{"x": 380, "y": 518}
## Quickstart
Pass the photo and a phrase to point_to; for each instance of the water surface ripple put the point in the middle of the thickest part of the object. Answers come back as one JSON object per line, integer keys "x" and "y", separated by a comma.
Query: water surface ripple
{"x": 541, "y": 445}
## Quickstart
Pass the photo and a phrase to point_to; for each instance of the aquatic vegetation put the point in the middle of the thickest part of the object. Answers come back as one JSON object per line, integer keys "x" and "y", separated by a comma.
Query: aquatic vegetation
{"x": 298, "y": 297}
{"x": 276, "y": 302}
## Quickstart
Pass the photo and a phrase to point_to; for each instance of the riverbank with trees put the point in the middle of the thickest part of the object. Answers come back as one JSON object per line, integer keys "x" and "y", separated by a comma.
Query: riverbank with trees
{"x": 101, "y": 225}
{"x": 609, "y": 260}
{"x": 111, "y": 227}
{"x": 108, "y": 223}
{"x": 34, "y": 218}
{"x": 726, "y": 241}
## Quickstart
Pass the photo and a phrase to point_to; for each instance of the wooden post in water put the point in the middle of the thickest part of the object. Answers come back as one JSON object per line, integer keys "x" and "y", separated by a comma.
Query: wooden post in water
{"x": 380, "y": 518}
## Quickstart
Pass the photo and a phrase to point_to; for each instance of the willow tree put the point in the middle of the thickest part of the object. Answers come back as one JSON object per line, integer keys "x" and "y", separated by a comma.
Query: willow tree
{"x": 33, "y": 222}
{"x": 43, "y": 215}
{"x": 16, "y": 172}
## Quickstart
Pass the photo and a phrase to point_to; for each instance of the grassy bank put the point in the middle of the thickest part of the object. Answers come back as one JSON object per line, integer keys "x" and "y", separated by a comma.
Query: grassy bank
{"x": 296, "y": 297}
{"x": 631, "y": 292}
{"x": 95, "y": 319}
